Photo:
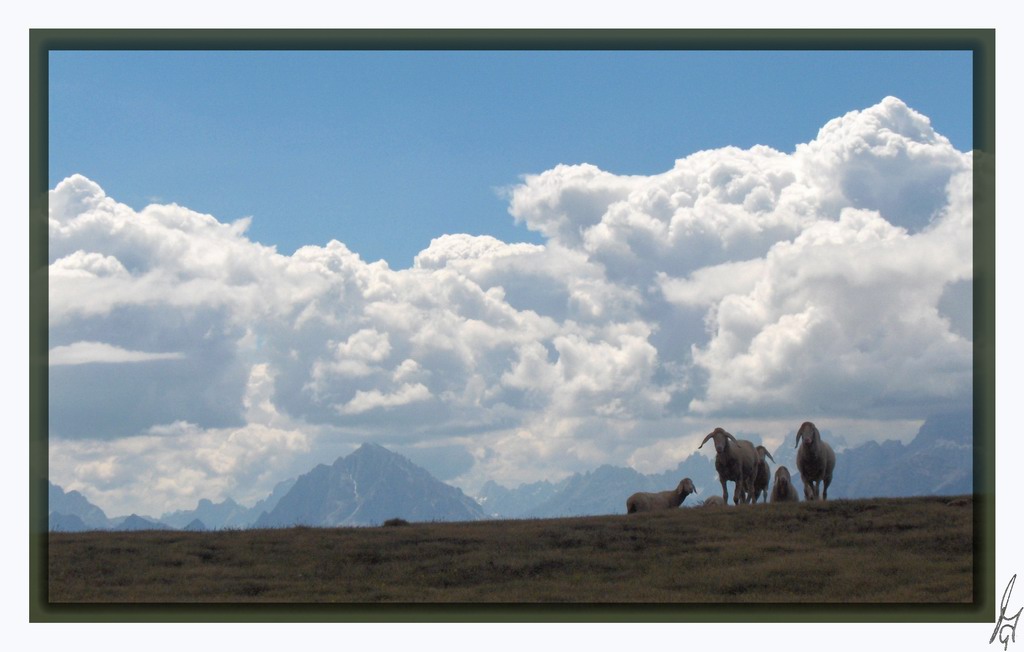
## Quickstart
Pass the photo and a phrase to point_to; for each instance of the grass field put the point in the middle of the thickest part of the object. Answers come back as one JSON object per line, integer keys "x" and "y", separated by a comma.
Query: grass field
{"x": 912, "y": 550}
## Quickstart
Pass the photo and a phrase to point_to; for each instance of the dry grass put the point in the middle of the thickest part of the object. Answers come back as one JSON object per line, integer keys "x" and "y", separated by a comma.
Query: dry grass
{"x": 915, "y": 550}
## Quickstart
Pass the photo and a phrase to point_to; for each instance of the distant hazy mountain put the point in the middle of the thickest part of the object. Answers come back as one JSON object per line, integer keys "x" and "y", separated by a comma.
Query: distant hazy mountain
{"x": 227, "y": 513}
{"x": 67, "y": 523}
{"x": 369, "y": 487}
{"x": 195, "y": 526}
{"x": 514, "y": 503}
{"x": 280, "y": 490}
{"x": 215, "y": 516}
{"x": 74, "y": 504}
{"x": 938, "y": 461}
{"x": 136, "y": 522}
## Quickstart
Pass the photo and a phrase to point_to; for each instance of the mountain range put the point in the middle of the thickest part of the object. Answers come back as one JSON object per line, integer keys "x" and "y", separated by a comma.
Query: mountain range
{"x": 373, "y": 484}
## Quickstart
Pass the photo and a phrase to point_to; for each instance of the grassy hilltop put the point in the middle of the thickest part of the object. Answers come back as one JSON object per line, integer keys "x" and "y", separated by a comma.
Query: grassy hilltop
{"x": 845, "y": 551}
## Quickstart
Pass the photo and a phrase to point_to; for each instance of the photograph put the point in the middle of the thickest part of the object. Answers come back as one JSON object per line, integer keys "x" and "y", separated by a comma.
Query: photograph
{"x": 574, "y": 325}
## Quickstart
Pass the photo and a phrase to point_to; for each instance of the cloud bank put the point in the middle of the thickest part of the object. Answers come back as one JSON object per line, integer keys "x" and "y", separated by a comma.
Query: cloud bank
{"x": 739, "y": 287}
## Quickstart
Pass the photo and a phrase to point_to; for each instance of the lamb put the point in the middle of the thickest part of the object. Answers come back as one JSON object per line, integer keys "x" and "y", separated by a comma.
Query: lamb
{"x": 736, "y": 461}
{"x": 762, "y": 474}
{"x": 815, "y": 460}
{"x": 713, "y": 501}
{"x": 650, "y": 502}
{"x": 783, "y": 490}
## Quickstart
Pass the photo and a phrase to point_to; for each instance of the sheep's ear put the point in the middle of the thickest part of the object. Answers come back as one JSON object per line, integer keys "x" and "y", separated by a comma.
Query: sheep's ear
{"x": 710, "y": 435}
{"x": 729, "y": 436}
{"x": 799, "y": 433}
{"x": 769, "y": 456}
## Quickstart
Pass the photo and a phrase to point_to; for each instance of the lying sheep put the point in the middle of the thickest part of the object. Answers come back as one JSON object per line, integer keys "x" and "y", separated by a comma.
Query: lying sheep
{"x": 815, "y": 460}
{"x": 762, "y": 474}
{"x": 783, "y": 490}
{"x": 713, "y": 501}
{"x": 735, "y": 461}
{"x": 650, "y": 502}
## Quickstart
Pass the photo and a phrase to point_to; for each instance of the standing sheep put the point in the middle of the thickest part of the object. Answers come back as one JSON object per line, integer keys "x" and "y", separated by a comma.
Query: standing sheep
{"x": 762, "y": 474}
{"x": 736, "y": 461}
{"x": 815, "y": 460}
{"x": 783, "y": 490}
{"x": 650, "y": 502}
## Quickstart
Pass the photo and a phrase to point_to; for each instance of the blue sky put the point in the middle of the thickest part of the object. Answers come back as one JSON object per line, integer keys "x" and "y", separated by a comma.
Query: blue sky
{"x": 386, "y": 150}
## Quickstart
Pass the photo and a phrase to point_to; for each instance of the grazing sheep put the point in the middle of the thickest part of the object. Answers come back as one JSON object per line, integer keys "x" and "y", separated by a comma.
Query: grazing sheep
{"x": 736, "y": 461}
{"x": 815, "y": 460}
{"x": 762, "y": 474}
{"x": 650, "y": 502}
{"x": 783, "y": 490}
{"x": 713, "y": 501}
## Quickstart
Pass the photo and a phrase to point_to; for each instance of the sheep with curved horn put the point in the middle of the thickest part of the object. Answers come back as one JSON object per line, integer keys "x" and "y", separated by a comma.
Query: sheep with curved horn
{"x": 783, "y": 490}
{"x": 762, "y": 474}
{"x": 650, "y": 502}
{"x": 735, "y": 461}
{"x": 815, "y": 460}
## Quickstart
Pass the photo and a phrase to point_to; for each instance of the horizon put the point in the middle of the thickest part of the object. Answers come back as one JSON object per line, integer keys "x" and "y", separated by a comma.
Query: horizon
{"x": 838, "y": 444}
{"x": 714, "y": 258}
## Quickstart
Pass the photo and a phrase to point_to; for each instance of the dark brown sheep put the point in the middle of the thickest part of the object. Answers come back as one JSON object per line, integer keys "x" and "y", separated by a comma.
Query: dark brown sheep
{"x": 735, "y": 461}
{"x": 783, "y": 490}
{"x": 815, "y": 460}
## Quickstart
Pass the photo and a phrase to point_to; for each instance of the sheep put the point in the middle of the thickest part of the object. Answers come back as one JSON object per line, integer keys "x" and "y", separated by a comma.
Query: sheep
{"x": 650, "y": 502}
{"x": 736, "y": 461}
{"x": 713, "y": 501}
{"x": 815, "y": 460}
{"x": 762, "y": 474}
{"x": 783, "y": 490}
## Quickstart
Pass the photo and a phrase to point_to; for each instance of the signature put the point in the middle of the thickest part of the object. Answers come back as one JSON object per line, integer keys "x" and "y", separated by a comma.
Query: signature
{"x": 1004, "y": 622}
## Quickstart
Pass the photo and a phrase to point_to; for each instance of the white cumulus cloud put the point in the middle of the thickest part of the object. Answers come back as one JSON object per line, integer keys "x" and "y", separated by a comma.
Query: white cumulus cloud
{"x": 93, "y": 352}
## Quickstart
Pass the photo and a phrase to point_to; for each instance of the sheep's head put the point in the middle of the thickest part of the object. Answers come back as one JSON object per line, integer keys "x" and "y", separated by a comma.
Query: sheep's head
{"x": 809, "y": 433}
{"x": 686, "y": 487}
{"x": 762, "y": 453}
{"x": 782, "y": 473}
{"x": 721, "y": 438}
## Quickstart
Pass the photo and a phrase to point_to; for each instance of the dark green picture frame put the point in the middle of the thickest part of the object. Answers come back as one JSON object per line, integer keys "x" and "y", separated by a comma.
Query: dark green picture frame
{"x": 980, "y": 42}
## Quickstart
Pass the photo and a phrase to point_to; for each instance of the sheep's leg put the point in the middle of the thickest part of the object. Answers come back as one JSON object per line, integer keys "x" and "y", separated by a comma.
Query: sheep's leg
{"x": 744, "y": 492}
{"x": 808, "y": 490}
{"x": 725, "y": 493}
